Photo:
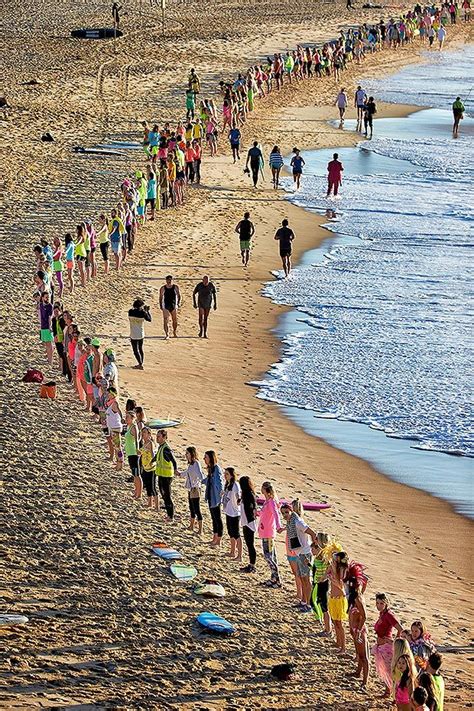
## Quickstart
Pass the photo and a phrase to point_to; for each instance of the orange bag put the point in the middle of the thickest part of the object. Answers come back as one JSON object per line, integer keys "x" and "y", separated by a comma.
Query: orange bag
{"x": 48, "y": 390}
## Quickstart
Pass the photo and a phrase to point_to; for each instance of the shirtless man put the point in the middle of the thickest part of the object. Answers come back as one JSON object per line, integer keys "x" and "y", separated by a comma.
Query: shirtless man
{"x": 245, "y": 229}
{"x": 285, "y": 237}
{"x": 205, "y": 292}
{"x": 170, "y": 299}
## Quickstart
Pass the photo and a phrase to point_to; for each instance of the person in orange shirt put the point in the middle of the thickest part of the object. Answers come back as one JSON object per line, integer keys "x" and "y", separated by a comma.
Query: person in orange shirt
{"x": 189, "y": 157}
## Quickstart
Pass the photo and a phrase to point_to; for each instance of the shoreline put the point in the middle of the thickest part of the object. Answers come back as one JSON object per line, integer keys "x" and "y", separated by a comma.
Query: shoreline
{"x": 126, "y": 600}
{"x": 390, "y": 456}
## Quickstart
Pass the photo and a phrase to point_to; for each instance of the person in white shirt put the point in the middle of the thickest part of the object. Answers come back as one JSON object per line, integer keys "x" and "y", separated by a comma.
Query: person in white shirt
{"x": 299, "y": 537}
{"x": 231, "y": 497}
{"x": 341, "y": 103}
{"x": 193, "y": 483}
{"x": 441, "y": 37}
{"x": 360, "y": 97}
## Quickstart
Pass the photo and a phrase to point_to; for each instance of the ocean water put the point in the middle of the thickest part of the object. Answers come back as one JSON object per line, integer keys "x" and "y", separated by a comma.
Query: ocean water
{"x": 383, "y": 334}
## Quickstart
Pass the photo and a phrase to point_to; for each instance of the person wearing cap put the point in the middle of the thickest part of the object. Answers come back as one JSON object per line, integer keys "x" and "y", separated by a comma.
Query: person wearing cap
{"x": 110, "y": 370}
{"x": 137, "y": 316}
{"x": 298, "y": 535}
{"x": 170, "y": 299}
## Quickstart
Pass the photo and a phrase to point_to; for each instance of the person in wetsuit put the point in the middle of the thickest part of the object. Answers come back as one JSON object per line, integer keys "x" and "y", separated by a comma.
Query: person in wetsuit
{"x": 170, "y": 299}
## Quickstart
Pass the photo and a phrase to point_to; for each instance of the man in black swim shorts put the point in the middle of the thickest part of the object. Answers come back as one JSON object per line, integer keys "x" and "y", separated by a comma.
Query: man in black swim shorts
{"x": 285, "y": 236}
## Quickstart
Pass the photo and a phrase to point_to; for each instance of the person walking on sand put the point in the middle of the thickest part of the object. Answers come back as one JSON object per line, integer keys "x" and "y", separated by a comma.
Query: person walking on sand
{"x": 205, "y": 295}
{"x": 335, "y": 169}
{"x": 299, "y": 535}
{"x": 442, "y": 32}
{"x": 246, "y": 230}
{"x": 341, "y": 103}
{"x": 213, "y": 495}
{"x": 285, "y": 236}
{"x": 170, "y": 300}
{"x": 370, "y": 109}
{"x": 297, "y": 163}
{"x": 458, "y": 115}
{"x": 194, "y": 479}
{"x": 276, "y": 163}
{"x": 166, "y": 467}
{"x": 137, "y": 315}
{"x": 360, "y": 97}
{"x": 255, "y": 158}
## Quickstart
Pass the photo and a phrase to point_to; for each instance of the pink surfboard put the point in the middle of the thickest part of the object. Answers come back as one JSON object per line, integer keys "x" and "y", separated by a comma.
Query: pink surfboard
{"x": 307, "y": 505}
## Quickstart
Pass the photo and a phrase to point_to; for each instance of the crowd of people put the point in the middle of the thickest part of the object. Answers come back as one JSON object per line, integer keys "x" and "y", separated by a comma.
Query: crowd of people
{"x": 328, "y": 584}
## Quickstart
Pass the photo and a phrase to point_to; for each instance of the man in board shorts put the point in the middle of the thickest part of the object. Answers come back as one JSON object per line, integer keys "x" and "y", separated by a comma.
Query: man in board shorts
{"x": 205, "y": 292}
{"x": 170, "y": 299}
{"x": 245, "y": 230}
{"x": 285, "y": 237}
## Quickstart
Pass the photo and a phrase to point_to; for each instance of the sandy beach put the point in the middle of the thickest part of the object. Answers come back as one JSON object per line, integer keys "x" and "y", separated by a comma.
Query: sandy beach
{"x": 109, "y": 627}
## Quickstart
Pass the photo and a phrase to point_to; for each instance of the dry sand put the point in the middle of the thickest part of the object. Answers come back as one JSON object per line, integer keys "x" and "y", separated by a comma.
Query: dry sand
{"x": 109, "y": 627}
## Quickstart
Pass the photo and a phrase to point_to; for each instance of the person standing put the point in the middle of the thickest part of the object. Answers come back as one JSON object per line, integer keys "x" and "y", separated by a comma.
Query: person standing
{"x": 255, "y": 158}
{"x": 360, "y": 97}
{"x": 205, "y": 292}
{"x": 213, "y": 495}
{"x": 194, "y": 479}
{"x": 116, "y": 8}
{"x": 335, "y": 169}
{"x": 231, "y": 498}
{"x": 194, "y": 83}
{"x": 246, "y": 230}
{"x": 285, "y": 236}
{"x": 46, "y": 333}
{"x": 170, "y": 299}
{"x": 458, "y": 115}
{"x": 166, "y": 467}
{"x": 248, "y": 515}
{"x": 341, "y": 103}
{"x": 297, "y": 163}
{"x": 137, "y": 316}
{"x": 383, "y": 650}
{"x": 269, "y": 525}
{"x": 299, "y": 544}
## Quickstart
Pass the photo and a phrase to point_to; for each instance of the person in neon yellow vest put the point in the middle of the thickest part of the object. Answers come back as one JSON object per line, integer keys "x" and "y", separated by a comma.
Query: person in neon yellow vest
{"x": 166, "y": 468}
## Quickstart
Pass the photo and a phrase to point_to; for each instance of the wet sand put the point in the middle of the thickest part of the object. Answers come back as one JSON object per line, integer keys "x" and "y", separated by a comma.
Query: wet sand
{"x": 109, "y": 626}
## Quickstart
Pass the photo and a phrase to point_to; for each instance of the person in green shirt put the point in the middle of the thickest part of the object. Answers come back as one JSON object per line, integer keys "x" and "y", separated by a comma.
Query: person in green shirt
{"x": 190, "y": 104}
{"x": 458, "y": 114}
{"x": 434, "y": 664}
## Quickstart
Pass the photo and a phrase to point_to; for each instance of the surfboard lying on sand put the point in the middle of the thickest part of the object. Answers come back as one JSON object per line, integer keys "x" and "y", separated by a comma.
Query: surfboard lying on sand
{"x": 209, "y": 588}
{"x": 163, "y": 551}
{"x": 307, "y": 505}
{"x": 7, "y": 620}
{"x": 156, "y": 424}
{"x": 214, "y": 623}
{"x": 98, "y": 151}
{"x": 96, "y": 33}
{"x": 183, "y": 572}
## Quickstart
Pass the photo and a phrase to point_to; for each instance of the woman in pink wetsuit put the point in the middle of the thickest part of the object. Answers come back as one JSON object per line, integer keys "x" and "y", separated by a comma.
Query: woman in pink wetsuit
{"x": 335, "y": 169}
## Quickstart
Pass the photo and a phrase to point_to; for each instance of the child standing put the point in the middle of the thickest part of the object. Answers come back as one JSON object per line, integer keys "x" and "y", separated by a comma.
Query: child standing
{"x": 194, "y": 478}
{"x": 147, "y": 454}
{"x": 405, "y": 687}
{"x": 337, "y": 605}
{"x": 231, "y": 498}
{"x": 320, "y": 593}
{"x": 270, "y": 523}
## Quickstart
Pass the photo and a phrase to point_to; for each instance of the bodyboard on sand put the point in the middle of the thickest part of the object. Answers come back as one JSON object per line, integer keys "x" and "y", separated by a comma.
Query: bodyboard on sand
{"x": 163, "y": 551}
{"x": 156, "y": 424}
{"x": 7, "y": 620}
{"x": 209, "y": 588}
{"x": 96, "y": 33}
{"x": 214, "y": 623}
{"x": 183, "y": 572}
{"x": 307, "y": 505}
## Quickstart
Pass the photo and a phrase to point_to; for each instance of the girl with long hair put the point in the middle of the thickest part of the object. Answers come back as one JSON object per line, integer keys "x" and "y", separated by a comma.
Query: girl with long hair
{"x": 213, "y": 495}
{"x": 383, "y": 650}
{"x": 248, "y": 515}
{"x": 231, "y": 499}
{"x": 269, "y": 524}
{"x": 337, "y": 604}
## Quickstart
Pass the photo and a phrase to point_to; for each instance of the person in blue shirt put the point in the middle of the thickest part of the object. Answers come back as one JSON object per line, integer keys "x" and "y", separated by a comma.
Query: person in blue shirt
{"x": 234, "y": 136}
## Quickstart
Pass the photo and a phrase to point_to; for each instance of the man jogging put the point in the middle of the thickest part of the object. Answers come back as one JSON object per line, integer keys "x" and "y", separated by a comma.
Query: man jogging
{"x": 246, "y": 231}
{"x": 285, "y": 237}
{"x": 205, "y": 292}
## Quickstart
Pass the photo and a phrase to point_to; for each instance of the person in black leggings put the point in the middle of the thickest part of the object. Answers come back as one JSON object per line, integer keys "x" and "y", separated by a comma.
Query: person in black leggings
{"x": 214, "y": 489}
{"x": 137, "y": 317}
{"x": 248, "y": 520}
